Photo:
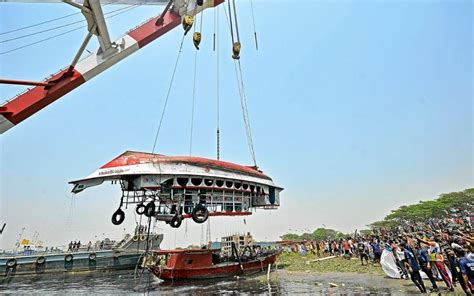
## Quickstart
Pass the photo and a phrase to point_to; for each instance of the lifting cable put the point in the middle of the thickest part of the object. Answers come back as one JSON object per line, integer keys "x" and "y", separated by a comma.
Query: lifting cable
{"x": 168, "y": 95}
{"x": 254, "y": 27}
{"x": 208, "y": 232}
{"x": 243, "y": 104}
{"x": 243, "y": 100}
{"x": 196, "y": 44}
{"x": 216, "y": 47}
{"x": 235, "y": 45}
{"x": 39, "y": 24}
{"x": 45, "y": 22}
{"x": 192, "y": 105}
{"x": 59, "y": 27}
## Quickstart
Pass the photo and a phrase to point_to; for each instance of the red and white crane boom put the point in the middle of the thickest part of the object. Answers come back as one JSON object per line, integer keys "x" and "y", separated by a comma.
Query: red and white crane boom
{"x": 44, "y": 93}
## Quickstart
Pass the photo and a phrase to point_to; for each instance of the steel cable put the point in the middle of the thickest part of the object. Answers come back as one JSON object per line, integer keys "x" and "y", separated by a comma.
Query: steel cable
{"x": 64, "y": 33}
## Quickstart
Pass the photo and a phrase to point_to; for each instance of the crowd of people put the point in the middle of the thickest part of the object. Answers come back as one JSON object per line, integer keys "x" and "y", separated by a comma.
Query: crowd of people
{"x": 440, "y": 248}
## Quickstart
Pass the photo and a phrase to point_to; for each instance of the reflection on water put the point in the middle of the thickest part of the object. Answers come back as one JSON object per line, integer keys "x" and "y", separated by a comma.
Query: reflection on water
{"x": 127, "y": 283}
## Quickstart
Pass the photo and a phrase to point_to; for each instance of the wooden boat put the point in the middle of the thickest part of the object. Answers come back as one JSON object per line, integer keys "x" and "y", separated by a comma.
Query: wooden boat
{"x": 175, "y": 265}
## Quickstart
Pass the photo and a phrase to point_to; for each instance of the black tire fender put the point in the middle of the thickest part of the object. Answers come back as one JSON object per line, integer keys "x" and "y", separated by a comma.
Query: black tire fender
{"x": 200, "y": 213}
{"x": 176, "y": 221}
{"x": 11, "y": 262}
{"x": 118, "y": 217}
{"x": 40, "y": 260}
{"x": 150, "y": 209}
{"x": 68, "y": 258}
{"x": 92, "y": 256}
{"x": 140, "y": 209}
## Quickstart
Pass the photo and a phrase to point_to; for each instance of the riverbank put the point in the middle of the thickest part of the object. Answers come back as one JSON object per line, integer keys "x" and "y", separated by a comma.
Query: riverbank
{"x": 296, "y": 262}
{"x": 339, "y": 275}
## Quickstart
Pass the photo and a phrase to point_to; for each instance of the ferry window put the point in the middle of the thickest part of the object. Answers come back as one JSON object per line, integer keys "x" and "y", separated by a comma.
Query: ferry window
{"x": 196, "y": 181}
{"x": 245, "y": 186}
{"x": 219, "y": 183}
{"x": 228, "y": 184}
{"x": 166, "y": 186}
{"x": 258, "y": 189}
{"x": 237, "y": 185}
{"x": 182, "y": 181}
{"x": 208, "y": 182}
{"x": 252, "y": 188}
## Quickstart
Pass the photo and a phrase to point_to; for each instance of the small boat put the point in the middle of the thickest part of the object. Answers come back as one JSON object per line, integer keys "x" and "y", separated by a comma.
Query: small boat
{"x": 176, "y": 265}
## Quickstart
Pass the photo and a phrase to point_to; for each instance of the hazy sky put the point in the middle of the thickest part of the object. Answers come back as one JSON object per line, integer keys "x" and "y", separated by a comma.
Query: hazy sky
{"x": 356, "y": 107}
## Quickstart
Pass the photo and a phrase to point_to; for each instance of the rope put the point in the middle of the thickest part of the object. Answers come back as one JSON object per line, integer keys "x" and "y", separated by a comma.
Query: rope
{"x": 168, "y": 95}
{"x": 230, "y": 22}
{"x": 216, "y": 34}
{"x": 192, "y": 108}
{"x": 215, "y": 28}
{"x": 236, "y": 23}
{"x": 254, "y": 27}
{"x": 208, "y": 231}
{"x": 247, "y": 112}
{"x": 64, "y": 33}
{"x": 202, "y": 17}
{"x": 243, "y": 105}
{"x": 39, "y": 24}
{"x": 243, "y": 102}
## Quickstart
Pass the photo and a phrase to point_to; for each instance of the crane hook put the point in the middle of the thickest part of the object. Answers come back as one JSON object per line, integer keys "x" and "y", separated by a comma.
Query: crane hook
{"x": 187, "y": 23}
{"x": 197, "y": 39}
{"x": 236, "y": 50}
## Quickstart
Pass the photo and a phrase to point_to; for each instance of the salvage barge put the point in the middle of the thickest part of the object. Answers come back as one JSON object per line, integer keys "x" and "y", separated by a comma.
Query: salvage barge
{"x": 180, "y": 265}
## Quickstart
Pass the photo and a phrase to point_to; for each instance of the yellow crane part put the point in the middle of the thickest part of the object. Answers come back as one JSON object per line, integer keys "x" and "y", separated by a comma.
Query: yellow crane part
{"x": 236, "y": 50}
{"x": 197, "y": 39}
{"x": 188, "y": 21}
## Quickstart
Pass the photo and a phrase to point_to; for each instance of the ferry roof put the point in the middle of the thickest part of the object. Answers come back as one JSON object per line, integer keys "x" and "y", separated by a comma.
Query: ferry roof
{"x": 133, "y": 158}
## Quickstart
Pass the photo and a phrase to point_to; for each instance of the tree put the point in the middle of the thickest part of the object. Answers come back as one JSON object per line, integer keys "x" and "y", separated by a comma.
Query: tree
{"x": 290, "y": 236}
{"x": 441, "y": 207}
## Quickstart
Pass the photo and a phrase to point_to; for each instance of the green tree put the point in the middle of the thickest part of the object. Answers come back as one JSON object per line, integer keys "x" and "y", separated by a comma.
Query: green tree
{"x": 437, "y": 208}
{"x": 290, "y": 236}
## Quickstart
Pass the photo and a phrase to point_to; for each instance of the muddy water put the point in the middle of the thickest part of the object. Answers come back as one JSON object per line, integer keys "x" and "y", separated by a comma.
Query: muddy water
{"x": 281, "y": 283}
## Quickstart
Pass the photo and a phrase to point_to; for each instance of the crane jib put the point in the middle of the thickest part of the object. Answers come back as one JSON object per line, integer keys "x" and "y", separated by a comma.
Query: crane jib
{"x": 33, "y": 100}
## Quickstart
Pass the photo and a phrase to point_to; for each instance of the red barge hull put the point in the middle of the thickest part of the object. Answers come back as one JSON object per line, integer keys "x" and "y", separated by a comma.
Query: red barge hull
{"x": 198, "y": 265}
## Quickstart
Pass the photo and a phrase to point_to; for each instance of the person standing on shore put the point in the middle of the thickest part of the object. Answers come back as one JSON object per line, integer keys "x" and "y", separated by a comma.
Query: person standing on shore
{"x": 411, "y": 264}
{"x": 424, "y": 261}
{"x": 466, "y": 270}
{"x": 376, "y": 250}
{"x": 436, "y": 258}
{"x": 399, "y": 259}
{"x": 347, "y": 249}
{"x": 363, "y": 252}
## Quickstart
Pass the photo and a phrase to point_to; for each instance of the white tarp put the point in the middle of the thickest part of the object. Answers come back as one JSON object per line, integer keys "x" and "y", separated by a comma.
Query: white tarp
{"x": 389, "y": 265}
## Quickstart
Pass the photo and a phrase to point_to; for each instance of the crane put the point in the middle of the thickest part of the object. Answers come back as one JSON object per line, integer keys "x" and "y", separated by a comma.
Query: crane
{"x": 108, "y": 54}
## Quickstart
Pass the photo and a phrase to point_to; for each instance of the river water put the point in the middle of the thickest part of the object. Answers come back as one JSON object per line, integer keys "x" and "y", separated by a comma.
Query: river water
{"x": 280, "y": 283}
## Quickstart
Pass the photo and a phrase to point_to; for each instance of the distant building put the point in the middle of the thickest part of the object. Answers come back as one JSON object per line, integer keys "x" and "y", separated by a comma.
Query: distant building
{"x": 240, "y": 240}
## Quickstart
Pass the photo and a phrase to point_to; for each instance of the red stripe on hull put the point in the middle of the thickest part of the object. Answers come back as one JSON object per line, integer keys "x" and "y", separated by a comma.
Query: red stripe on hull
{"x": 135, "y": 158}
{"x": 217, "y": 271}
{"x": 38, "y": 97}
{"x": 215, "y": 214}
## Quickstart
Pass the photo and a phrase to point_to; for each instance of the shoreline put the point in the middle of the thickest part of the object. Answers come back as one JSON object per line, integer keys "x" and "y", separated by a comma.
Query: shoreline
{"x": 339, "y": 275}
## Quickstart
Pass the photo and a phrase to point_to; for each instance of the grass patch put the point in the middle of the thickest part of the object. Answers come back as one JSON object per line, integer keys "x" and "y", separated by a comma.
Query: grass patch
{"x": 296, "y": 262}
